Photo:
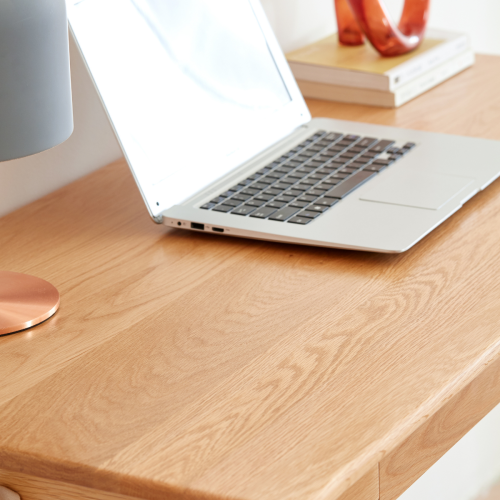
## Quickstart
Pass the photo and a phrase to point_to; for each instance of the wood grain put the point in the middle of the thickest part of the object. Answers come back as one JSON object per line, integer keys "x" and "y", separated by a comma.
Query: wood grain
{"x": 190, "y": 366}
{"x": 35, "y": 488}
{"x": 404, "y": 465}
{"x": 367, "y": 488}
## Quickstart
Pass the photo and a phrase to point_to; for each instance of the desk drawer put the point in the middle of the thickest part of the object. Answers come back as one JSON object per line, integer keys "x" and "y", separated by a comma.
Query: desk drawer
{"x": 34, "y": 488}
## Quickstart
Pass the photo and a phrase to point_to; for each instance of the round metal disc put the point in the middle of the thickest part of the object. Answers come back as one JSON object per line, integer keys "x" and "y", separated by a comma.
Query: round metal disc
{"x": 25, "y": 301}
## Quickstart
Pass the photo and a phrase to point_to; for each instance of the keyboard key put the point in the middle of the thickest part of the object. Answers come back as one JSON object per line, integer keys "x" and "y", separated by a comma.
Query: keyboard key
{"x": 349, "y": 185}
{"x": 357, "y": 164}
{"x": 366, "y": 142}
{"x": 326, "y": 202}
{"x": 284, "y": 199}
{"x": 370, "y": 154}
{"x": 297, "y": 175}
{"x": 303, "y": 186}
{"x": 344, "y": 159}
{"x": 332, "y": 136}
{"x": 227, "y": 194}
{"x": 275, "y": 204}
{"x": 255, "y": 203}
{"x": 275, "y": 174}
{"x": 302, "y": 157}
{"x": 293, "y": 192}
{"x": 316, "y": 192}
{"x": 208, "y": 206}
{"x": 351, "y": 137}
{"x": 273, "y": 192}
{"x": 382, "y": 145}
{"x": 299, "y": 204}
{"x": 307, "y": 198}
{"x": 254, "y": 177}
{"x": 259, "y": 185}
{"x": 264, "y": 197}
{"x": 232, "y": 202}
{"x": 317, "y": 208}
{"x": 285, "y": 168}
{"x": 331, "y": 180}
{"x": 223, "y": 208}
{"x": 324, "y": 186}
{"x": 409, "y": 145}
{"x": 339, "y": 175}
{"x": 325, "y": 170}
{"x": 300, "y": 220}
{"x": 244, "y": 210}
{"x": 264, "y": 170}
{"x": 217, "y": 200}
{"x": 262, "y": 213}
{"x": 318, "y": 176}
{"x": 382, "y": 162}
{"x": 250, "y": 191}
{"x": 315, "y": 164}
{"x": 307, "y": 169}
{"x": 335, "y": 164}
{"x": 375, "y": 168}
{"x": 364, "y": 159}
{"x": 322, "y": 158}
{"x": 348, "y": 154}
{"x": 284, "y": 214}
{"x": 281, "y": 185}
{"x": 242, "y": 197}
{"x": 307, "y": 182}
{"x": 308, "y": 215}
{"x": 307, "y": 154}
{"x": 267, "y": 180}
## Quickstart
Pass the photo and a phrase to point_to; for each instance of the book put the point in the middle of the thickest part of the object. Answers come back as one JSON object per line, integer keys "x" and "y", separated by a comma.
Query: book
{"x": 401, "y": 95}
{"x": 328, "y": 62}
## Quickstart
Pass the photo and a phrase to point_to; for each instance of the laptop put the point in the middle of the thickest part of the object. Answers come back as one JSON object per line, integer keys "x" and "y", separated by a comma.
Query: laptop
{"x": 220, "y": 140}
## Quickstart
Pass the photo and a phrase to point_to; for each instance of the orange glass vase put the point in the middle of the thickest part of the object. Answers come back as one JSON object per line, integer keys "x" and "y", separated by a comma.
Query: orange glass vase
{"x": 358, "y": 19}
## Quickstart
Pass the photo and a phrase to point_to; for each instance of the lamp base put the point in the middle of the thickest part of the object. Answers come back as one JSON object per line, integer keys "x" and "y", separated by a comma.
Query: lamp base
{"x": 25, "y": 301}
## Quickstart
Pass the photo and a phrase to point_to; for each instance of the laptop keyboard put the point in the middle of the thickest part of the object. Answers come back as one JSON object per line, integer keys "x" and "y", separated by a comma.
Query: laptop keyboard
{"x": 311, "y": 178}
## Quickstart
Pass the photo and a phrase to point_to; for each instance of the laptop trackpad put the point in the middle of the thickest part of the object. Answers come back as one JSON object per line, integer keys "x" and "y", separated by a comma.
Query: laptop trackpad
{"x": 411, "y": 188}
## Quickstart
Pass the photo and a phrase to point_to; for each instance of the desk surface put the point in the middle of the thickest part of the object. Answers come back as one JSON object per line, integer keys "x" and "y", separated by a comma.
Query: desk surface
{"x": 184, "y": 365}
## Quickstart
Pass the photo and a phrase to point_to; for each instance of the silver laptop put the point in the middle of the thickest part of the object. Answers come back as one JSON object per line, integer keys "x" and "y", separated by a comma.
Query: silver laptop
{"x": 220, "y": 140}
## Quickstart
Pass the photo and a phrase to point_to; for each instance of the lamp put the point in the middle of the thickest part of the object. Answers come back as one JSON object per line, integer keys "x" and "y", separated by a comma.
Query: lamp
{"x": 35, "y": 114}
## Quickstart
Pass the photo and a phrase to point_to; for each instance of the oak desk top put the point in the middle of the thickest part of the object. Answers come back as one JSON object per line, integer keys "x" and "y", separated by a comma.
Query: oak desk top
{"x": 184, "y": 365}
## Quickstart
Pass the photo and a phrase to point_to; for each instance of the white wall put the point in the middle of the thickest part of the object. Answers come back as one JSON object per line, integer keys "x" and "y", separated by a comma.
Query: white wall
{"x": 296, "y": 23}
{"x": 299, "y": 22}
{"x": 91, "y": 146}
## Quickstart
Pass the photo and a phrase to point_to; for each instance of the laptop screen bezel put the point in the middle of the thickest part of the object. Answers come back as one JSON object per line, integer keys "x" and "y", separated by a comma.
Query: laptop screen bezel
{"x": 285, "y": 121}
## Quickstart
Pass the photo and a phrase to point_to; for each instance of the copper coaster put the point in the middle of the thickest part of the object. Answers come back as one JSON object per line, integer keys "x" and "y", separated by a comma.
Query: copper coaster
{"x": 25, "y": 301}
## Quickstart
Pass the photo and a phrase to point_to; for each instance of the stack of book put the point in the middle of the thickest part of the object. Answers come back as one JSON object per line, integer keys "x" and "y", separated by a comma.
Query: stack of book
{"x": 328, "y": 70}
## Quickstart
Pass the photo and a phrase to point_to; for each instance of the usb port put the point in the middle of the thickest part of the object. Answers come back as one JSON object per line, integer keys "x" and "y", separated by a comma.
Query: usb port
{"x": 218, "y": 229}
{"x": 196, "y": 225}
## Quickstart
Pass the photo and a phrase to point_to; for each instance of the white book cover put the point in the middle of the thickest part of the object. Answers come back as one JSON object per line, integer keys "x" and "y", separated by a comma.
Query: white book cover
{"x": 400, "y": 96}
{"x": 326, "y": 61}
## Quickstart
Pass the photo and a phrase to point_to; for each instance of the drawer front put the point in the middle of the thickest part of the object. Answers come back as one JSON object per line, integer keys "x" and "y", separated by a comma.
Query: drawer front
{"x": 404, "y": 465}
{"x": 34, "y": 488}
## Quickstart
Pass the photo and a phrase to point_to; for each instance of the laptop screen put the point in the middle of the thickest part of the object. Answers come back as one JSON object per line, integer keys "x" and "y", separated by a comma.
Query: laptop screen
{"x": 187, "y": 84}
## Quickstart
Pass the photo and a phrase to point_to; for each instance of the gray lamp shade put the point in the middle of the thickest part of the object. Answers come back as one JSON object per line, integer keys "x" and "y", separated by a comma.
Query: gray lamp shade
{"x": 35, "y": 84}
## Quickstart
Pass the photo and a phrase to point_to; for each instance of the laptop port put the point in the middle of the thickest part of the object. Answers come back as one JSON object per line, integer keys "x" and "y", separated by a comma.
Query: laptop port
{"x": 218, "y": 229}
{"x": 196, "y": 225}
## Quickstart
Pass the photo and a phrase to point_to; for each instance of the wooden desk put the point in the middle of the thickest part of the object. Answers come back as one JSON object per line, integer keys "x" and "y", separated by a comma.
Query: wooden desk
{"x": 194, "y": 366}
